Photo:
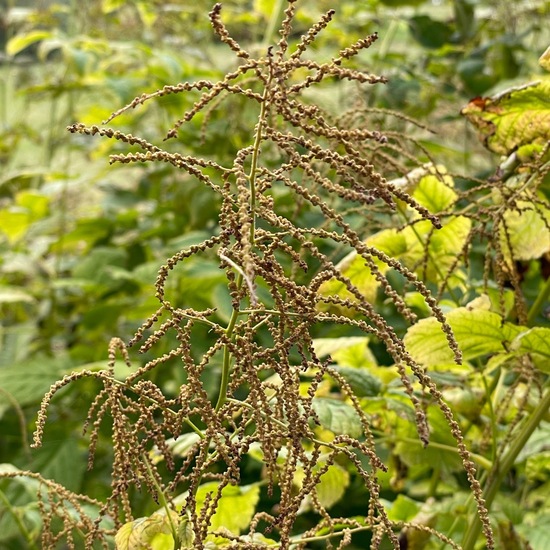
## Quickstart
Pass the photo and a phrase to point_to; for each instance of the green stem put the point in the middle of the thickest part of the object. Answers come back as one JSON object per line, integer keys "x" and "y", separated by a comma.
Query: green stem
{"x": 274, "y": 22}
{"x": 18, "y": 521}
{"x": 226, "y": 366}
{"x": 537, "y": 306}
{"x": 164, "y": 504}
{"x": 503, "y": 466}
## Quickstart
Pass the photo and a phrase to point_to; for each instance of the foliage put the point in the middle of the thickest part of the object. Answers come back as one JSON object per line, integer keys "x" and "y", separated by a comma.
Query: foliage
{"x": 312, "y": 410}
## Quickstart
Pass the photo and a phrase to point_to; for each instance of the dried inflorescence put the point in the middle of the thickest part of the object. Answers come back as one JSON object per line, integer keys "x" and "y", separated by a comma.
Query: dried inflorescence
{"x": 260, "y": 402}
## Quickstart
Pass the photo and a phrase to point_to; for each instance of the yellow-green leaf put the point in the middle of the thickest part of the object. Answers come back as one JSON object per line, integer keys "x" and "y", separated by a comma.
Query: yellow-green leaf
{"x": 478, "y": 332}
{"x": 151, "y": 533}
{"x": 435, "y": 191}
{"x": 513, "y": 118}
{"x": 234, "y": 498}
{"x": 527, "y": 231}
{"x": 21, "y": 41}
{"x": 544, "y": 60}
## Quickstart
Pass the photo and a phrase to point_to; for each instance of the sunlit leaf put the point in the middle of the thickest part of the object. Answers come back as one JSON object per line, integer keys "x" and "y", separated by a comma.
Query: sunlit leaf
{"x": 151, "y": 533}
{"x": 331, "y": 487}
{"x": 477, "y": 331}
{"x": 9, "y": 295}
{"x": 544, "y": 59}
{"x": 21, "y": 41}
{"x": 536, "y": 341}
{"x": 513, "y": 118}
{"x": 527, "y": 231}
{"x": 242, "y": 498}
{"x": 435, "y": 191}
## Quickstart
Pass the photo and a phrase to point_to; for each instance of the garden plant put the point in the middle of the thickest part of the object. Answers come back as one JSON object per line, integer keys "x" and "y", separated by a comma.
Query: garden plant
{"x": 348, "y": 350}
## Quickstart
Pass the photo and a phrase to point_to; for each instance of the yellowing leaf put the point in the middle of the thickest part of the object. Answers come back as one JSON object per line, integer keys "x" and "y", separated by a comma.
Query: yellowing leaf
{"x": 544, "y": 60}
{"x": 478, "y": 332}
{"x": 527, "y": 230}
{"x": 516, "y": 117}
{"x": 330, "y": 489}
{"x": 152, "y": 533}
{"x": 435, "y": 192}
{"x": 537, "y": 342}
{"x": 21, "y": 41}
{"x": 235, "y": 508}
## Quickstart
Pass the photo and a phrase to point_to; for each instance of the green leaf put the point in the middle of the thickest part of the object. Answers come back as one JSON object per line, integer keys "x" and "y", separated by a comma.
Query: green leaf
{"x": 544, "y": 60}
{"x": 430, "y": 32}
{"x": 152, "y": 533}
{"x": 478, "y": 332}
{"x": 361, "y": 381}
{"x": 435, "y": 191}
{"x": 180, "y": 446}
{"x": 233, "y": 498}
{"x": 537, "y": 467}
{"x": 403, "y": 508}
{"x": 21, "y": 41}
{"x": 527, "y": 230}
{"x": 330, "y": 489}
{"x": 337, "y": 416}
{"x": 537, "y": 342}
{"x": 332, "y": 485}
{"x": 27, "y": 382}
{"x": 57, "y": 459}
{"x": 516, "y": 117}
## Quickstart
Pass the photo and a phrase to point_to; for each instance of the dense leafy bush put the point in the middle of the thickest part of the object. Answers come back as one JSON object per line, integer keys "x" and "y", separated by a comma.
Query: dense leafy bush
{"x": 300, "y": 387}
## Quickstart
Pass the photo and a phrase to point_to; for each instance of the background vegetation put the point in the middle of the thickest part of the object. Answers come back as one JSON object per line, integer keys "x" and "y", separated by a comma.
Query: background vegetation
{"x": 81, "y": 241}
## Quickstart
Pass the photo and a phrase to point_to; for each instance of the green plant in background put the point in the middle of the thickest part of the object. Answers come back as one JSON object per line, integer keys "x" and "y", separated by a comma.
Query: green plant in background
{"x": 266, "y": 348}
{"x": 289, "y": 341}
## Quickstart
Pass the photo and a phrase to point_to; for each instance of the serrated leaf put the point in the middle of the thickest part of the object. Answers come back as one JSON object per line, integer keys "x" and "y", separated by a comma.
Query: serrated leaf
{"x": 27, "y": 382}
{"x": 478, "y": 332}
{"x": 332, "y": 485}
{"x": 513, "y": 118}
{"x": 527, "y": 231}
{"x": 241, "y": 498}
{"x": 337, "y": 416}
{"x": 151, "y": 533}
{"x": 21, "y": 41}
{"x": 330, "y": 489}
{"x": 435, "y": 191}
{"x": 361, "y": 381}
{"x": 535, "y": 341}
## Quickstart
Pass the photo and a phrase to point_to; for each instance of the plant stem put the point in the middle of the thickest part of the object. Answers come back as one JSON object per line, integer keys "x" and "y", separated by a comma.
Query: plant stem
{"x": 226, "y": 367}
{"x": 502, "y": 467}
{"x": 164, "y": 504}
{"x": 18, "y": 521}
{"x": 274, "y": 22}
{"x": 537, "y": 305}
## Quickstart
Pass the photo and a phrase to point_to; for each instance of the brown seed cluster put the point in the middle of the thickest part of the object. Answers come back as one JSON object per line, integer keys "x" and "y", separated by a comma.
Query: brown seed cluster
{"x": 275, "y": 267}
